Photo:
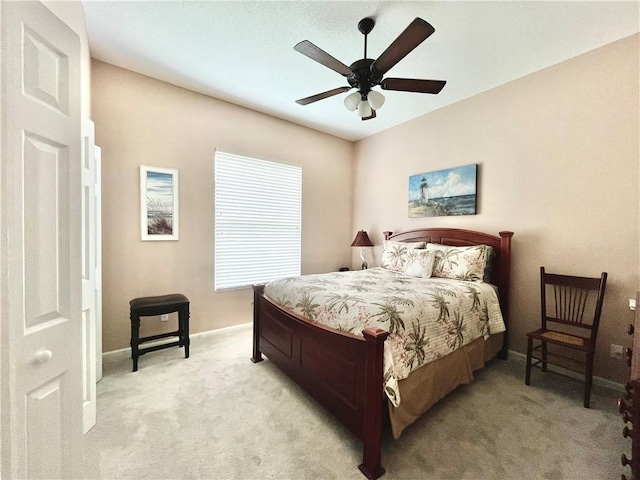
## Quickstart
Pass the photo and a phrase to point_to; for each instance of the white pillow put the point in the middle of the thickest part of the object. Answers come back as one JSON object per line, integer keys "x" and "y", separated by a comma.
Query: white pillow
{"x": 394, "y": 255}
{"x": 419, "y": 263}
{"x": 461, "y": 263}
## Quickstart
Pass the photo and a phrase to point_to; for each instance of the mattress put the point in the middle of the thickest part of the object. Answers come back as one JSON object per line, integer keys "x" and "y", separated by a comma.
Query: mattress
{"x": 428, "y": 319}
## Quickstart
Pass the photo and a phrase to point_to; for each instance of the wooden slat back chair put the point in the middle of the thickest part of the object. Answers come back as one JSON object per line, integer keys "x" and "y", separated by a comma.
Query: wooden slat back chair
{"x": 570, "y": 310}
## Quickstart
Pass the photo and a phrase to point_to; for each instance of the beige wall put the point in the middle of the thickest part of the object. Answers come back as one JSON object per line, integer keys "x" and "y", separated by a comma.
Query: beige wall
{"x": 558, "y": 154}
{"x": 558, "y": 163}
{"x": 144, "y": 121}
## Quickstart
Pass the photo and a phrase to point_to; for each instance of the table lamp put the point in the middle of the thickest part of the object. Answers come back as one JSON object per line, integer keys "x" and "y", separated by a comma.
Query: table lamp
{"x": 362, "y": 240}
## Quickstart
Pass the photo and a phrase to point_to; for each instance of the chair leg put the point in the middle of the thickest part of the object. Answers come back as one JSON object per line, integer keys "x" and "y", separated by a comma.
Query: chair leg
{"x": 543, "y": 350}
{"x": 588, "y": 380}
{"x": 527, "y": 379}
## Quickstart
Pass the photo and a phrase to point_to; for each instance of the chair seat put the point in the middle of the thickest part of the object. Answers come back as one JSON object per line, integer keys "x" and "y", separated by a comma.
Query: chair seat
{"x": 561, "y": 338}
{"x": 564, "y": 338}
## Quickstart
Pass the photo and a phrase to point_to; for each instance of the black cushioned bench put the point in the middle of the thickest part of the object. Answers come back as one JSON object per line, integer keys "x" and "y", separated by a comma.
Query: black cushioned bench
{"x": 150, "y": 306}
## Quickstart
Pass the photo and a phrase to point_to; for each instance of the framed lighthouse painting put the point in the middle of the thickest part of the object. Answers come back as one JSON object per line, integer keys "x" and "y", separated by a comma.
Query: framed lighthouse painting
{"x": 443, "y": 193}
{"x": 158, "y": 203}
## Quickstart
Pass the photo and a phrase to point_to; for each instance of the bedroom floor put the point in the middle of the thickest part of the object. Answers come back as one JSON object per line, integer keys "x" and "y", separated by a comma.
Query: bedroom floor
{"x": 217, "y": 415}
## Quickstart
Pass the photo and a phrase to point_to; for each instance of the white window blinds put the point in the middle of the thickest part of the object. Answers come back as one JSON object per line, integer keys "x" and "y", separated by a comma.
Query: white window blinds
{"x": 258, "y": 207}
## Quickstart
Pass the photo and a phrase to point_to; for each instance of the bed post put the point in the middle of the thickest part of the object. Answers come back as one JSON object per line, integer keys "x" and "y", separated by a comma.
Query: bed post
{"x": 504, "y": 289}
{"x": 373, "y": 396}
{"x": 257, "y": 294}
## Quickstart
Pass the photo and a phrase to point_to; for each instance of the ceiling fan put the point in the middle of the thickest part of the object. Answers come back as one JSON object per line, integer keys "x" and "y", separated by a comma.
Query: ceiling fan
{"x": 366, "y": 73}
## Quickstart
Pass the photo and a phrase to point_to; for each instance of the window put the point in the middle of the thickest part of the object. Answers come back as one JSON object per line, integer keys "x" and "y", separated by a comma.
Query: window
{"x": 258, "y": 207}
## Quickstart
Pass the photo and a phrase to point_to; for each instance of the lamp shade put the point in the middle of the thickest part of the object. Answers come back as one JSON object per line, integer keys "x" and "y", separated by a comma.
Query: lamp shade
{"x": 376, "y": 99}
{"x": 362, "y": 240}
{"x": 352, "y": 101}
{"x": 364, "y": 109}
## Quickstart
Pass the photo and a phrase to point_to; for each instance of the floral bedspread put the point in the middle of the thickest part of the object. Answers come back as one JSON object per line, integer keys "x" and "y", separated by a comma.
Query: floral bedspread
{"x": 427, "y": 318}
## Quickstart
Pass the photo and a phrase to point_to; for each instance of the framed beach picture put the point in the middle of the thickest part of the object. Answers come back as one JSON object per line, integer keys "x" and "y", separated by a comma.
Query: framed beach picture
{"x": 158, "y": 203}
{"x": 444, "y": 192}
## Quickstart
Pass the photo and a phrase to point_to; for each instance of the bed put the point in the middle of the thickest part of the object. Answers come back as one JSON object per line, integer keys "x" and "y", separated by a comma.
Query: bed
{"x": 351, "y": 382}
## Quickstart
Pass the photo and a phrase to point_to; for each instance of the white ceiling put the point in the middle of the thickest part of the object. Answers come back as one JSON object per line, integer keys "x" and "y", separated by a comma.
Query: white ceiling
{"x": 242, "y": 51}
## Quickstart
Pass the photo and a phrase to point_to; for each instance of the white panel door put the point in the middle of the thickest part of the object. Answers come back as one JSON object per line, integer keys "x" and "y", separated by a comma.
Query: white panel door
{"x": 40, "y": 274}
{"x": 89, "y": 254}
{"x": 98, "y": 183}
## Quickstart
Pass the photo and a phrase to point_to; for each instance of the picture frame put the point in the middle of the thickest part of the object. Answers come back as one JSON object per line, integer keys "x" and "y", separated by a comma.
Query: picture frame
{"x": 448, "y": 192}
{"x": 159, "y": 206}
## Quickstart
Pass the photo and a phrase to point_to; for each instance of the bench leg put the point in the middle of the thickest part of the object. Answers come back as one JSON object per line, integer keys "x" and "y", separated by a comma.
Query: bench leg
{"x": 135, "y": 335}
{"x": 184, "y": 315}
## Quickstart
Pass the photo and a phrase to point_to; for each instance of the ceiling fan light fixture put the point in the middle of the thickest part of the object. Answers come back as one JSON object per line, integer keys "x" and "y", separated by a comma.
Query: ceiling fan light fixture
{"x": 364, "y": 109}
{"x": 352, "y": 101}
{"x": 376, "y": 99}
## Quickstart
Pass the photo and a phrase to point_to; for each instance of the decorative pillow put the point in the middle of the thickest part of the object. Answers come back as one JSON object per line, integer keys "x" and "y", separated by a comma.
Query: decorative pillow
{"x": 461, "y": 263}
{"x": 419, "y": 263}
{"x": 395, "y": 254}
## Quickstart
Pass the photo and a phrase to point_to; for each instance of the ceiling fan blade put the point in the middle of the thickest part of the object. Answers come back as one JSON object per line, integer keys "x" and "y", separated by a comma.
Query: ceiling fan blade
{"x": 314, "y": 53}
{"x": 373, "y": 115}
{"x": 413, "y": 85}
{"x": 412, "y": 36}
{"x": 320, "y": 96}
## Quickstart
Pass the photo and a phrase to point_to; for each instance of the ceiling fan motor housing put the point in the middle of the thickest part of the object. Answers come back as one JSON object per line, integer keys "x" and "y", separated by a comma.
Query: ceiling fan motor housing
{"x": 363, "y": 77}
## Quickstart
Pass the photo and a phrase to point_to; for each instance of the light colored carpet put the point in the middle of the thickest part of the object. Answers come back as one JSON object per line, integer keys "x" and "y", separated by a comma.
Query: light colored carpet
{"x": 216, "y": 415}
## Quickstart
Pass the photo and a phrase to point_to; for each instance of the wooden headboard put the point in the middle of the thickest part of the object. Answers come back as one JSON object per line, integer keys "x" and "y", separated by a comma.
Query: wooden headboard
{"x": 501, "y": 268}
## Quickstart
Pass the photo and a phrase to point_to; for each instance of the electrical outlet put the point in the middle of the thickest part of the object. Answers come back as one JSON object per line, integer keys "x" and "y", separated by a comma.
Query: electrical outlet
{"x": 165, "y": 318}
{"x": 616, "y": 351}
{"x": 632, "y": 303}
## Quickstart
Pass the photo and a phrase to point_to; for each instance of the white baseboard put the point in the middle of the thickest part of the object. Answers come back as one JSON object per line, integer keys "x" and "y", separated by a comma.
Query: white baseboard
{"x": 599, "y": 381}
{"x": 127, "y": 351}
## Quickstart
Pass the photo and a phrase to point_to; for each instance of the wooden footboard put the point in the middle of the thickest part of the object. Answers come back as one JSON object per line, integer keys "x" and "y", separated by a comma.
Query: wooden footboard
{"x": 347, "y": 382}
